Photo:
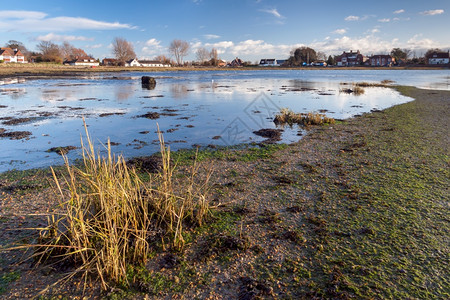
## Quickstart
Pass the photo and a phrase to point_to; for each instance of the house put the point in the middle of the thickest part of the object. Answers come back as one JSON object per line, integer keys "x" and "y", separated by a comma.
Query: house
{"x": 237, "y": 62}
{"x": 132, "y": 63}
{"x": 438, "y": 58}
{"x": 110, "y": 62}
{"x": 271, "y": 62}
{"x": 153, "y": 63}
{"x": 380, "y": 60}
{"x": 222, "y": 63}
{"x": 83, "y": 61}
{"x": 9, "y": 55}
{"x": 351, "y": 58}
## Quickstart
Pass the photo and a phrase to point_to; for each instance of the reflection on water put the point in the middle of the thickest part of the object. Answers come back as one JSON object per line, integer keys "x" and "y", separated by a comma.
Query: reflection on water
{"x": 179, "y": 90}
{"x": 204, "y": 108}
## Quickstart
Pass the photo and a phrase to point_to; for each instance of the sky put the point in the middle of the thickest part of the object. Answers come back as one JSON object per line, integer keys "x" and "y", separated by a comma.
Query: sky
{"x": 248, "y": 29}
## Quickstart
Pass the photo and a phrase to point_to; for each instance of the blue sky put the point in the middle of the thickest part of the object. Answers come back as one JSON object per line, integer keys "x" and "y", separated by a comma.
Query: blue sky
{"x": 249, "y": 29}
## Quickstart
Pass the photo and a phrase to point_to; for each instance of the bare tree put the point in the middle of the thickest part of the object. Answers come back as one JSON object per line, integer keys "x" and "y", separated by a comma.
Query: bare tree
{"x": 50, "y": 51}
{"x": 69, "y": 52}
{"x": 202, "y": 55}
{"x": 213, "y": 54}
{"x": 123, "y": 50}
{"x": 179, "y": 49}
{"x": 164, "y": 59}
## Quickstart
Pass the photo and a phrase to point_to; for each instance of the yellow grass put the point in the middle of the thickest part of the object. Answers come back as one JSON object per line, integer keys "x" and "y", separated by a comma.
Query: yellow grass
{"x": 287, "y": 116}
{"x": 110, "y": 214}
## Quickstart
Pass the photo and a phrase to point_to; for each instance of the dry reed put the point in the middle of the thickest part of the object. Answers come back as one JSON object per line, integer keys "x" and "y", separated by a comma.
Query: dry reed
{"x": 110, "y": 214}
{"x": 287, "y": 116}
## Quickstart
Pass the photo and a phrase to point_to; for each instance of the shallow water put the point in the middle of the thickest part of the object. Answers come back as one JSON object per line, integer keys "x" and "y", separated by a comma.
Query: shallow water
{"x": 196, "y": 108}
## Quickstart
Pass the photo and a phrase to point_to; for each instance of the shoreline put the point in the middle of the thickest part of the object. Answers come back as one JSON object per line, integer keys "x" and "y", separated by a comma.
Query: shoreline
{"x": 33, "y": 70}
{"x": 356, "y": 209}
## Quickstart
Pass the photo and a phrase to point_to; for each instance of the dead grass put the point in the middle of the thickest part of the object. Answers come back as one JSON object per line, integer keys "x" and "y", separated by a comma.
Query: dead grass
{"x": 287, "y": 116}
{"x": 110, "y": 215}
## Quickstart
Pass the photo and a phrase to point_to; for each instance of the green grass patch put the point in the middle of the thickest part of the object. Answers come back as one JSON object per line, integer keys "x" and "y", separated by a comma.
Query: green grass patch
{"x": 6, "y": 279}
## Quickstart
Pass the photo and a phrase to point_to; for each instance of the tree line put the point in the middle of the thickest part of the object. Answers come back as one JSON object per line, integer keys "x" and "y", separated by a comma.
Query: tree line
{"x": 123, "y": 51}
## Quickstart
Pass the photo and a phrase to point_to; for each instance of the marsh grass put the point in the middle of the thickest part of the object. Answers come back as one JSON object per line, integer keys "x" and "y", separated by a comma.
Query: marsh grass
{"x": 110, "y": 216}
{"x": 287, "y": 116}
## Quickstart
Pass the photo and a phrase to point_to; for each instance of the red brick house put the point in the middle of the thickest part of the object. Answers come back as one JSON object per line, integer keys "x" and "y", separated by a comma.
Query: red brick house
{"x": 381, "y": 60}
{"x": 9, "y": 55}
{"x": 351, "y": 58}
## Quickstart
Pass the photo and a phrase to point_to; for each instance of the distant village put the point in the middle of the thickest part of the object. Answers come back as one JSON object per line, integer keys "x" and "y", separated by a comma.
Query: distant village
{"x": 15, "y": 52}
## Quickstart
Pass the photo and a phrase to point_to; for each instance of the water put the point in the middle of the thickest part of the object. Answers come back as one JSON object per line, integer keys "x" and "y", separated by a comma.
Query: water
{"x": 196, "y": 108}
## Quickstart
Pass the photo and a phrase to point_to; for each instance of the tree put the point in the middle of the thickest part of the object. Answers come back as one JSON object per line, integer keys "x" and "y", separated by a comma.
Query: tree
{"x": 302, "y": 55}
{"x": 164, "y": 59}
{"x": 179, "y": 49}
{"x": 50, "y": 51}
{"x": 214, "y": 61}
{"x": 123, "y": 50}
{"x": 69, "y": 52}
{"x": 400, "y": 54}
{"x": 202, "y": 55}
{"x": 331, "y": 61}
{"x": 321, "y": 56}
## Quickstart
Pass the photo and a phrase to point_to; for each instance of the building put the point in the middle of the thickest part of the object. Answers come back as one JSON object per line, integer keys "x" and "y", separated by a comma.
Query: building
{"x": 132, "y": 63}
{"x": 380, "y": 60}
{"x": 439, "y": 58}
{"x": 237, "y": 62}
{"x": 83, "y": 61}
{"x": 153, "y": 63}
{"x": 9, "y": 55}
{"x": 110, "y": 62}
{"x": 271, "y": 62}
{"x": 348, "y": 59}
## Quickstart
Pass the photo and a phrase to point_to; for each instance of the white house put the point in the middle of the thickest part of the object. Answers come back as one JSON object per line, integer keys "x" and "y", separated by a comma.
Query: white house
{"x": 271, "y": 62}
{"x": 9, "y": 55}
{"x": 438, "y": 58}
{"x": 83, "y": 61}
{"x": 132, "y": 63}
{"x": 153, "y": 63}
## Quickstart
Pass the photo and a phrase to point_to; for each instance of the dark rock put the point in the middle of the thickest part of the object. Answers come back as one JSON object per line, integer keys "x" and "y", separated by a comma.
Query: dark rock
{"x": 272, "y": 135}
{"x": 61, "y": 150}
{"x": 148, "y": 82}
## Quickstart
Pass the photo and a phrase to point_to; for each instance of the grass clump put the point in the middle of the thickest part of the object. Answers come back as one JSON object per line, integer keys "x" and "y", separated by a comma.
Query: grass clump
{"x": 287, "y": 116}
{"x": 111, "y": 216}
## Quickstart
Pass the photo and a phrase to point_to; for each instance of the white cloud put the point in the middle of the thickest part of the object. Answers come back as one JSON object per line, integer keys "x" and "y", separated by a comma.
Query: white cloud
{"x": 223, "y": 44}
{"x": 274, "y": 12}
{"x": 153, "y": 43}
{"x": 385, "y": 20}
{"x": 211, "y": 36}
{"x": 152, "y": 47}
{"x": 34, "y": 21}
{"x": 400, "y": 11}
{"x": 96, "y": 46}
{"x": 51, "y": 37}
{"x": 352, "y": 18}
{"x": 340, "y": 31}
{"x": 432, "y": 12}
{"x": 21, "y": 14}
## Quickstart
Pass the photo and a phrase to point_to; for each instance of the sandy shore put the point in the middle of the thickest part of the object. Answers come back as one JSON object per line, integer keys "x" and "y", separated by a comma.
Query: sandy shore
{"x": 357, "y": 209}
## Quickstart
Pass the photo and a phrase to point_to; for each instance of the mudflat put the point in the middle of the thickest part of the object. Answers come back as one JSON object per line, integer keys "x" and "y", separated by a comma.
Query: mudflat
{"x": 355, "y": 209}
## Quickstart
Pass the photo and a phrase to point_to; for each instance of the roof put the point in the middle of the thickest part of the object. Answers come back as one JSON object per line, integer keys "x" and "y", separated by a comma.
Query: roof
{"x": 6, "y": 51}
{"x": 150, "y": 62}
{"x": 439, "y": 55}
